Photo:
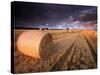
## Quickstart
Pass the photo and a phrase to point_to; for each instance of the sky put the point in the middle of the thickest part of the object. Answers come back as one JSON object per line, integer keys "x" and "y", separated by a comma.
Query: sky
{"x": 54, "y": 16}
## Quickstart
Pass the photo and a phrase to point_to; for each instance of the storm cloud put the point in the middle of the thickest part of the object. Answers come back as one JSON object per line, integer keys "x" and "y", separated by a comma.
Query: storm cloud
{"x": 35, "y": 15}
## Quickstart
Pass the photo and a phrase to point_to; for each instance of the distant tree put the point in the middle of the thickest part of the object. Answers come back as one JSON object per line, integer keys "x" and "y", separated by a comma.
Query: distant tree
{"x": 67, "y": 28}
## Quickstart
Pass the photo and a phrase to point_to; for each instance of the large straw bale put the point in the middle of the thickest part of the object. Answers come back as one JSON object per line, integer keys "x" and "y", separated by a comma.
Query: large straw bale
{"x": 37, "y": 44}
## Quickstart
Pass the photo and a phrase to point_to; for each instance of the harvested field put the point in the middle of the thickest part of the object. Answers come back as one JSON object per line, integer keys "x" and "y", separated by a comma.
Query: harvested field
{"x": 73, "y": 50}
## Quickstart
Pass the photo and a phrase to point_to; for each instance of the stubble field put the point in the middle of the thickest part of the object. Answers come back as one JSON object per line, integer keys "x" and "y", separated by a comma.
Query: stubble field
{"x": 74, "y": 50}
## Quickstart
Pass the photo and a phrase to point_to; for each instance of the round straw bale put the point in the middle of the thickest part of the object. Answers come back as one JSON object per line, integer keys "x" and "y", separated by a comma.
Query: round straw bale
{"x": 37, "y": 44}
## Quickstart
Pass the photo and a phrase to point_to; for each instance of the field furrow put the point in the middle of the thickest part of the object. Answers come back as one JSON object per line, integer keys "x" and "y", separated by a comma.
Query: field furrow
{"x": 74, "y": 50}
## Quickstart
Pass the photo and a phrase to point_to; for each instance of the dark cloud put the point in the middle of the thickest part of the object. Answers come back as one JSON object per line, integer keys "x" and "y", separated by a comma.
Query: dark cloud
{"x": 88, "y": 17}
{"x": 29, "y": 14}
